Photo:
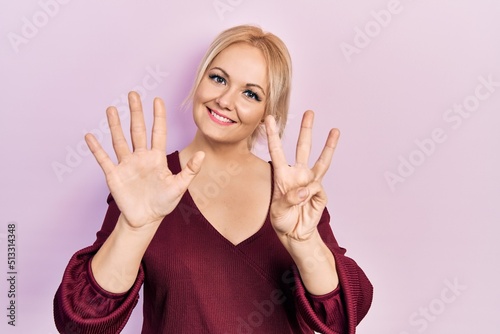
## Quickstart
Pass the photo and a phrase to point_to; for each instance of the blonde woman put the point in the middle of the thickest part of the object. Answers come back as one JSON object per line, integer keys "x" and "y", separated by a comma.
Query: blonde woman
{"x": 222, "y": 241}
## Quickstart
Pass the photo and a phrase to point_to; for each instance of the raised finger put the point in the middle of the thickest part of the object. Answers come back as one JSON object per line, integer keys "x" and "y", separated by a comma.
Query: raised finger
{"x": 325, "y": 158}
{"x": 274, "y": 142}
{"x": 120, "y": 144}
{"x": 304, "y": 142}
{"x": 159, "y": 133}
{"x": 100, "y": 155}
{"x": 137, "y": 125}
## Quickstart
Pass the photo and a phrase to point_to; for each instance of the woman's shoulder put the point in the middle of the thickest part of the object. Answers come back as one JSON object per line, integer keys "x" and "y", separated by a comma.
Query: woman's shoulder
{"x": 259, "y": 168}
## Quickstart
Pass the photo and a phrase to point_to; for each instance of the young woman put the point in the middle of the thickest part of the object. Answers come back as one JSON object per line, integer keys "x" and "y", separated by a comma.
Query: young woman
{"x": 223, "y": 241}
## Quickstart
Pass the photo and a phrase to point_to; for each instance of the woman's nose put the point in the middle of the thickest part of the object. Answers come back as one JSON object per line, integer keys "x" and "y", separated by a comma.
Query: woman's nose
{"x": 226, "y": 100}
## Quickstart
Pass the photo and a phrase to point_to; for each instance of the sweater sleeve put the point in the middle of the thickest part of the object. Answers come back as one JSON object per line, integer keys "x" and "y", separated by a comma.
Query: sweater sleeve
{"x": 340, "y": 311}
{"x": 80, "y": 304}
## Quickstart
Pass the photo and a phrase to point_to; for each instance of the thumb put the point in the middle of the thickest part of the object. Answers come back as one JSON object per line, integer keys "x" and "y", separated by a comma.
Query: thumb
{"x": 192, "y": 168}
{"x": 194, "y": 164}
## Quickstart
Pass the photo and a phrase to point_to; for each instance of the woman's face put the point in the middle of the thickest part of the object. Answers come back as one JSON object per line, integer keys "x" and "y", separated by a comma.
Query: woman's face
{"x": 230, "y": 100}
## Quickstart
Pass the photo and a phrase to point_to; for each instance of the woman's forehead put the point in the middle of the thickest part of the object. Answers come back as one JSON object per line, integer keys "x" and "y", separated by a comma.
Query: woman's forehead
{"x": 242, "y": 62}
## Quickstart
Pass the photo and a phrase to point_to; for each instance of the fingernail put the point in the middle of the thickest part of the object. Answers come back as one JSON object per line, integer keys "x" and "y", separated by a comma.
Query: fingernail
{"x": 303, "y": 193}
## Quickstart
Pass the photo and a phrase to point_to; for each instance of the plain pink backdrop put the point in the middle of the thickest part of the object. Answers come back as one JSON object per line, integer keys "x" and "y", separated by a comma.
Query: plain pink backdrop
{"x": 390, "y": 74}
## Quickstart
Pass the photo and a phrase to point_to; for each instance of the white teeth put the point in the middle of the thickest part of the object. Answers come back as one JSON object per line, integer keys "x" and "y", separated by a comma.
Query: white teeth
{"x": 220, "y": 118}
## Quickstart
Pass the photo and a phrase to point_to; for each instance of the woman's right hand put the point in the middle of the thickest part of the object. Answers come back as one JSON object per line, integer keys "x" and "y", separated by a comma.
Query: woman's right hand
{"x": 142, "y": 185}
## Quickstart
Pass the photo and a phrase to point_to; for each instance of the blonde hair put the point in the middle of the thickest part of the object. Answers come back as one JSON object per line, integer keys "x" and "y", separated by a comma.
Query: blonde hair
{"x": 279, "y": 70}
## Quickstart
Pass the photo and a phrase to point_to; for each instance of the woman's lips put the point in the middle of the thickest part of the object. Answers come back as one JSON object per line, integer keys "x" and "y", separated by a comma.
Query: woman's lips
{"x": 218, "y": 118}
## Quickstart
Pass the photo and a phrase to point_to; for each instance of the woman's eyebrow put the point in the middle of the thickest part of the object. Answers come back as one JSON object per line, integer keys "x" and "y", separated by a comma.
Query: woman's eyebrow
{"x": 255, "y": 85}
{"x": 247, "y": 85}
{"x": 223, "y": 72}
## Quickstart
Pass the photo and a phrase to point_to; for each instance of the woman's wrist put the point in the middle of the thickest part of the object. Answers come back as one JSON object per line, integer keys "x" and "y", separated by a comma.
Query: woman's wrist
{"x": 124, "y": 226}
{"x": 304, "y": 247}
{"x": 315, "y": 262}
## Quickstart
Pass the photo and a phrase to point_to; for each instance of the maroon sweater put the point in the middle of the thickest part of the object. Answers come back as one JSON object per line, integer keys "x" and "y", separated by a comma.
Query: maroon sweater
{"x": 196, "y": 281}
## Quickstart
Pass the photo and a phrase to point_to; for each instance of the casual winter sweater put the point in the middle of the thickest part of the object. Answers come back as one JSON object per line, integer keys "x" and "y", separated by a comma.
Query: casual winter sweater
{"x": 196, "y": 281}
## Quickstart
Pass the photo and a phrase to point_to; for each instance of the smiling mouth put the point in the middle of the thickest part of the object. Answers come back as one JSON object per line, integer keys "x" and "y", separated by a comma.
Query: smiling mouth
{"x": 220, "y": 118}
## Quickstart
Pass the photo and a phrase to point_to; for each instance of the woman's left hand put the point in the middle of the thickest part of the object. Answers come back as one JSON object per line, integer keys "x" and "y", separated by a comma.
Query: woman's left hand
{"x": 298, "y": 199}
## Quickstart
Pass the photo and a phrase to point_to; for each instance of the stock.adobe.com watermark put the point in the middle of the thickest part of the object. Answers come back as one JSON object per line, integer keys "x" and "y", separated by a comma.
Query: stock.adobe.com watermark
{"x": 453, "y": 117}
{"x": 11, "y": 265}
{"x": 76, "y": 153}
{"x": 421, "y": 319}
{"x": 32, "y": 24}
{"x": 379, "y": 20}
{"x": 222, "y": 7}
{"x": 263, "y": 310}
{"x": 203, "y": 197}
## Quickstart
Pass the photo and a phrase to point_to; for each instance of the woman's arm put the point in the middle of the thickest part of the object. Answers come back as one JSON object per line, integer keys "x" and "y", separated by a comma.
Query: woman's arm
{"x": 315, "y": 262}
{"x": 332, "y": 292}
{"x": 144, "y": 189}
{"x": 116, "y": 264}
{"x": 80, "y": 304}
{"x": 298, "y": 202}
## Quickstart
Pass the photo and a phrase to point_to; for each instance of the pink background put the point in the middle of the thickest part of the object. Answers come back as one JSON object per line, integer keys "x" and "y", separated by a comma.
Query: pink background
{"x": 387, "y": 84}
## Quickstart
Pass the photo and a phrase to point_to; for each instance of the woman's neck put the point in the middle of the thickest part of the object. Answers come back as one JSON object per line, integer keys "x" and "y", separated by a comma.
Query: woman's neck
{"x": 217, "y": 153}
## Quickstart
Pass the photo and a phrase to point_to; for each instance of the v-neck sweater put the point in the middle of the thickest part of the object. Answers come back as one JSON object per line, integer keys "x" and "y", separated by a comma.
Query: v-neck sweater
{"x": 197, "y": 281}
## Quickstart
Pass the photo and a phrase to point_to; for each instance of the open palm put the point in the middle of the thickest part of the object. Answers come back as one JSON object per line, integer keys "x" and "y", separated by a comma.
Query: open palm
{"x": 298, "y": 199}
{"x": 142, "y": 185}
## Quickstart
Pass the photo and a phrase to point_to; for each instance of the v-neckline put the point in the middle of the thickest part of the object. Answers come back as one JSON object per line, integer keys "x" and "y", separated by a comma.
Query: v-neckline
{"x": 251, "y": 237}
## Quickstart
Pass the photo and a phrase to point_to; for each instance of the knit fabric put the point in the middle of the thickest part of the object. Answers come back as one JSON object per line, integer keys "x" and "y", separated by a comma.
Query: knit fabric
{"x": 196, "y": 281}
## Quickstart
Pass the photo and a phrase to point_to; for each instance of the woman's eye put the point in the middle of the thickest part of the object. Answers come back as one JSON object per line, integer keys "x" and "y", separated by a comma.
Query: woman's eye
{"x": 252, "y": 95}
{"x": 217, "y": 78}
